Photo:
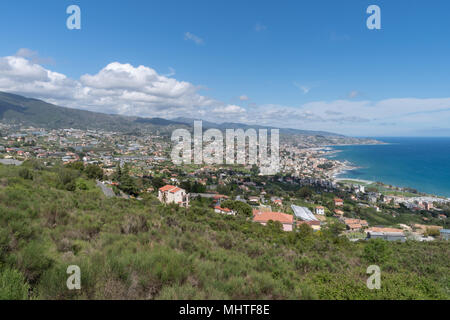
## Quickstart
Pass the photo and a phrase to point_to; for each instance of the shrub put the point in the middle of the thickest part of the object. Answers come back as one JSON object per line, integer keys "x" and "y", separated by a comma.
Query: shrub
{"x": 377, "y": 251}
{"x": 13, "y": 285}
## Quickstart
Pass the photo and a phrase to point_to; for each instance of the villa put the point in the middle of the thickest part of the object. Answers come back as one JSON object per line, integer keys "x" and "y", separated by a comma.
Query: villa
{"x": 172, "y": 194}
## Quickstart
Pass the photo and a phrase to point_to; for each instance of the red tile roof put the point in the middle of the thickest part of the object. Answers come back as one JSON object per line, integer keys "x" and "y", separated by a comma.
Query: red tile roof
{"x": 222, "y": 209}
{"x": 166, "y": 188}
{"x": 176, "y": 189}
{"x": 259, "y": 216}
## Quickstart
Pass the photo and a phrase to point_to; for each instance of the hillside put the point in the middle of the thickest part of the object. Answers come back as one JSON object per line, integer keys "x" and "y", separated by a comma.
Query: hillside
{"x": 130, "y": 249}
{"x": 16, "y": 109}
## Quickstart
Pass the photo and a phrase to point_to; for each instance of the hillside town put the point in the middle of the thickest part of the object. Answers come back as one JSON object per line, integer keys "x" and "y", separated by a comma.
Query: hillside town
{"x": 306, "y": 191}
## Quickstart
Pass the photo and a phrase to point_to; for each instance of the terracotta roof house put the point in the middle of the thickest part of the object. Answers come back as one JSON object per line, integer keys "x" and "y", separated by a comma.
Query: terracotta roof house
{"x": 313, "y": 224}
{"x": 338, "y": 202}
{"x": 286, "y": 220}
{"x": 172, "y": 194}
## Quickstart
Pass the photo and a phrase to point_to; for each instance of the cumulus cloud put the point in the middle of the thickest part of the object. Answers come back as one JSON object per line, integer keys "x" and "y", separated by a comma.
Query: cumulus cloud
{"x": 244, "y": 98}
{"x": 125, "y": 89}
{"x": 33, "y": 56}
{"x": 229, "y": 109}
{"x": 117, "y": 88}
{"x": 193, "y": 37}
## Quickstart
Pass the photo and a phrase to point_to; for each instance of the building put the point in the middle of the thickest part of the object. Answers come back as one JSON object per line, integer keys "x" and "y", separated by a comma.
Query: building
{"x": 221, "y": 210}
{"x": 445, "y": 234}
{"x": 320, "y": 210}
{"x": 428, "y": 205}
{"x": 303, "y": 213}
{"x": 253, "y": 200}
{"x": 354, "y": 224}
{"x": 286, "y": 220}
{"x": 338, "y": 202}
{"x": 315, "y": 225}
{"x": 171, "y": 194}
{"x": 389, "y": 236}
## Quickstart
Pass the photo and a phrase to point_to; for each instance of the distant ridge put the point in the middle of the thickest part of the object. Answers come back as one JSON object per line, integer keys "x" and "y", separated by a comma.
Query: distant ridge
{"x": 234, "y": 125}
{"x": 34, "y": 112}
{"x": 16, "y": 109}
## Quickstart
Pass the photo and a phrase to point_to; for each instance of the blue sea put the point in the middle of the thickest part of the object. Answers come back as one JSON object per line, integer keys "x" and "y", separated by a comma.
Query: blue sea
{"x": 419, "y": 163}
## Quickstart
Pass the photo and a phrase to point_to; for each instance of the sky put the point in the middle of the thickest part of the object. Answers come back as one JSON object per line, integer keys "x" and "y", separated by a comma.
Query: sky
{"x": 300, "y": 64}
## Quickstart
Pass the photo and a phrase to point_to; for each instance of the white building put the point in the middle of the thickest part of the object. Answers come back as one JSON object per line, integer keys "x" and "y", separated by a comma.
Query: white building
{"x": 227, "y": 211}
{"x": 171, "y": 194}
{"x": 320, "y": 210}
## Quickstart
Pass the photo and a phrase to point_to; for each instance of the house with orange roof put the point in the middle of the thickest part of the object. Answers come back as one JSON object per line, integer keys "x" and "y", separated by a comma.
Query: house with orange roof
{"x": 227, "y": 211}
{"x": 172, "y": 194}
{"x": 315, "y": 225}
{"x": 338, "y": 202}
{"x": 263, "y": 218}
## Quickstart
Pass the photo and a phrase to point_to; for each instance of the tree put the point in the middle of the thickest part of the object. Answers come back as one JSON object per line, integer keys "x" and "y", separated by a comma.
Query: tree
{"x": 127, "y": 183}
{"x": 334, "y": 229}
{"x": 157, "y": 182}
{"x": 93, "y": 171}
{"x": 241, "y": 208}
{"x": 77, "y": 165}
{"x": 305, "y": 192}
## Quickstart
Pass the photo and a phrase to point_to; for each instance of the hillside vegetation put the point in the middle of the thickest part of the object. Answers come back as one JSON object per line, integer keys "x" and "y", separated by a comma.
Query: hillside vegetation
{"x": 131, "y": 249}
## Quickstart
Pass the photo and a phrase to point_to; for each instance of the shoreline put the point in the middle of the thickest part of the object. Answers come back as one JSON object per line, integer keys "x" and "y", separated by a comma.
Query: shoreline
{"x": 345, "y": 166}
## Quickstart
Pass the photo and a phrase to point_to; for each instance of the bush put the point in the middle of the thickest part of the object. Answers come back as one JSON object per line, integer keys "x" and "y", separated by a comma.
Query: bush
{"x": 26, "y": 174}
{"x": 377, "y": 251}
{"x": 13, "y": 285}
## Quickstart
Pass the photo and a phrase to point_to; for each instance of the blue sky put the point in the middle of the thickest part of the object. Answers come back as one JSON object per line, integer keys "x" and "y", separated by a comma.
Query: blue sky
{"x": 303, "y": 64}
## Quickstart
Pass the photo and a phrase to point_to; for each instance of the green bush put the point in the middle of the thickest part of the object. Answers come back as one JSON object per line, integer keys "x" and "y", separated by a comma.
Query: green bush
{"x": 13, "y": 285}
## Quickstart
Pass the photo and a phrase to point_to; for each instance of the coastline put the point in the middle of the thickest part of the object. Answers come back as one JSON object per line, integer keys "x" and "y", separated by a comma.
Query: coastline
{"x": 342, "y": 166}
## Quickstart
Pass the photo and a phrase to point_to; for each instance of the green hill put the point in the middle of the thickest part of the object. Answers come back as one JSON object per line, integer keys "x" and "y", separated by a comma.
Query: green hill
{"x": 18, "y": 109}
{"x": 130, "y": 249}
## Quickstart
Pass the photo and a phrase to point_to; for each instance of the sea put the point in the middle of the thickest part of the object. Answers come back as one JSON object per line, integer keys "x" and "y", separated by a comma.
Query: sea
{"x": 419, "y": 163}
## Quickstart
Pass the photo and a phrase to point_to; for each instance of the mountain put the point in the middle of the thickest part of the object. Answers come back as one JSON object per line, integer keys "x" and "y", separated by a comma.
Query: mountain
{"x": 34, "y": 112}
{"x": 233, "y": 125}
{"x": 20, "y": 110}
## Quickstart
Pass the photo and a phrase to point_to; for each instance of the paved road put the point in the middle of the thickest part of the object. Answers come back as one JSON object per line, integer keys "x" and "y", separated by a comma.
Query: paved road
{"x": 11, "y": 162}
{"x": 106, "y": 190}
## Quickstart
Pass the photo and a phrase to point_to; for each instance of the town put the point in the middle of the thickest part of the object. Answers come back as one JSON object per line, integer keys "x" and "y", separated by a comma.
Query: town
{"x": 305, "y": 191}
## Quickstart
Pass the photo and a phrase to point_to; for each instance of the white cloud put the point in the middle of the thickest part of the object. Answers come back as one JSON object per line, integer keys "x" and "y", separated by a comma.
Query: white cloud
{"x": 193, "y": 37}
{"x": 244, "y": 98}
{"x": 33, "y": 56}
{"x": 229, "y": 109}
{"x": 140, "y": 91}
{"x": 117, "y": 88}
